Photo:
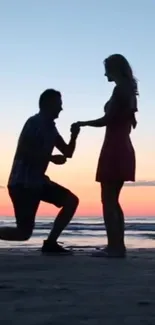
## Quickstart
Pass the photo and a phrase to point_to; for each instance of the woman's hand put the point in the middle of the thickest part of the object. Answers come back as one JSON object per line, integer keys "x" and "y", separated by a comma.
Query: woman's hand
{"x": 58, "y": 159}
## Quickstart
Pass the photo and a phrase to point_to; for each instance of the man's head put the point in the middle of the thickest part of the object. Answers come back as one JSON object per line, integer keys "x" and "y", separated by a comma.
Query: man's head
{"x": 50, "y": 103}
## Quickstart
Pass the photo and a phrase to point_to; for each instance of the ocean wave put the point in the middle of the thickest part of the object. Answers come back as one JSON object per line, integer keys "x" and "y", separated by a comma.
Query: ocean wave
{"x": 88, "y": 227}
{"x": 100, "y": 226}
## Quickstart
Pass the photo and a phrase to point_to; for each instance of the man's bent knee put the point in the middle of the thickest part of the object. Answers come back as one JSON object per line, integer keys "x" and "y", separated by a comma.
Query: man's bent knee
{"x": 26, "y": 233}
{"x": 73, "y": 200}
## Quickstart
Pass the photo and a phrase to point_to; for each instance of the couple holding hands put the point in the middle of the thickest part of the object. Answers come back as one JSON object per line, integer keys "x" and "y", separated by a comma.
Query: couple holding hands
{"x": 28, "y": 184}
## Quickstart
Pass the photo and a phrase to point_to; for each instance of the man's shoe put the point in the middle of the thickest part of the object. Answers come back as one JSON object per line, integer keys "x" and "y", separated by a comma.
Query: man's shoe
{"x": 54, "y": 248}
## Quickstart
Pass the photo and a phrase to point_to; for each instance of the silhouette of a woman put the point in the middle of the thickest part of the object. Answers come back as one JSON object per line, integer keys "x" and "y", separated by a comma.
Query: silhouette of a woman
{"x": 117, "y": 158}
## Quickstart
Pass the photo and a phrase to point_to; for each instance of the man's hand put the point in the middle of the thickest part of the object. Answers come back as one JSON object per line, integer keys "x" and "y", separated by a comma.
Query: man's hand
{"x": 58, "y": 159}
{"x": 75, "y": 129}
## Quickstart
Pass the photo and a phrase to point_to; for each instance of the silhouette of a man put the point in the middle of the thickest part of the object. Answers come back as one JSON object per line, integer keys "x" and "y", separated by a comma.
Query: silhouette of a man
{"x": 28, "y": 184}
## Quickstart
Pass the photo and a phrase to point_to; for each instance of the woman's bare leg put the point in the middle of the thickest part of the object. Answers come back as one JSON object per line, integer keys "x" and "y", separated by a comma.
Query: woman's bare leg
{"x": 113, "y": 215}
{"x": 119, "y": 186}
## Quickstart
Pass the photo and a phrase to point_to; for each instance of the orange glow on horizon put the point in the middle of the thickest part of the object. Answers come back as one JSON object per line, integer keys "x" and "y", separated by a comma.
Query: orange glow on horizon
{"x": 138, "y": 201}
{"x": 78, "y": 174}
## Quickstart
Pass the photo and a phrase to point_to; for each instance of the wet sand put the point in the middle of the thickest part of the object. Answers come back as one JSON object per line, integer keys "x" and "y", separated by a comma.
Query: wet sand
{"x": 80, "y": 289}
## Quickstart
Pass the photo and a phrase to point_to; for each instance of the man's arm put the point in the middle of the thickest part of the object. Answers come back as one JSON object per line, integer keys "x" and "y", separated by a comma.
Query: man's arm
{"x": 58, "y": 159}
{"x": 67, "y": 149}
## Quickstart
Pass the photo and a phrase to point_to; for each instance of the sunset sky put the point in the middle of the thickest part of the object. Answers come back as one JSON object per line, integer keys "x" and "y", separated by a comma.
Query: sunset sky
{"x": 61, "y": 44}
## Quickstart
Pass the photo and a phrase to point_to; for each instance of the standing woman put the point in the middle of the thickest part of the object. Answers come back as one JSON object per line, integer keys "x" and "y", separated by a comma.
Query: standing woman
{"x": 117, "y": 158}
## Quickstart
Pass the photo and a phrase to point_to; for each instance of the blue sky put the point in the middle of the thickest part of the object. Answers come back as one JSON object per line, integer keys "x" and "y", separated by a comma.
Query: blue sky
{"x": 62, "y": 44}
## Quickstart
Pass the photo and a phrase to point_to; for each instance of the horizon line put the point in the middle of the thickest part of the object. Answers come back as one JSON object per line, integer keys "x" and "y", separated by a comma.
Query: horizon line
{"x": 79, "y": 216}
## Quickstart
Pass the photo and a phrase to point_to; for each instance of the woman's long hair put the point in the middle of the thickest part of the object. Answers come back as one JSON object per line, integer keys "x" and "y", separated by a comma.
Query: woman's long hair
{"x": 118, "y": 65}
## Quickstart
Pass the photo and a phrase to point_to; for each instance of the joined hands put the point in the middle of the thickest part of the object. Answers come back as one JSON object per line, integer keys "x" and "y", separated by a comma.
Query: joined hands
{"x": 75, "y": 129}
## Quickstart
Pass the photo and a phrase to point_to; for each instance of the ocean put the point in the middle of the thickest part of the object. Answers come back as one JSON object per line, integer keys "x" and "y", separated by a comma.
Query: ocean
{"x": 86, "y": 232}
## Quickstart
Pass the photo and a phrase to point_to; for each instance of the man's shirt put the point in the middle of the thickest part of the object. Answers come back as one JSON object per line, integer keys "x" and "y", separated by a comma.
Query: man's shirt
{"x": 38, "y": 135}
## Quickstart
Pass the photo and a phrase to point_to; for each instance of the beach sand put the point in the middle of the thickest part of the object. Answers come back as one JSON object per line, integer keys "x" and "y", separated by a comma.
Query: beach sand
{"x": 80, "y": 289}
